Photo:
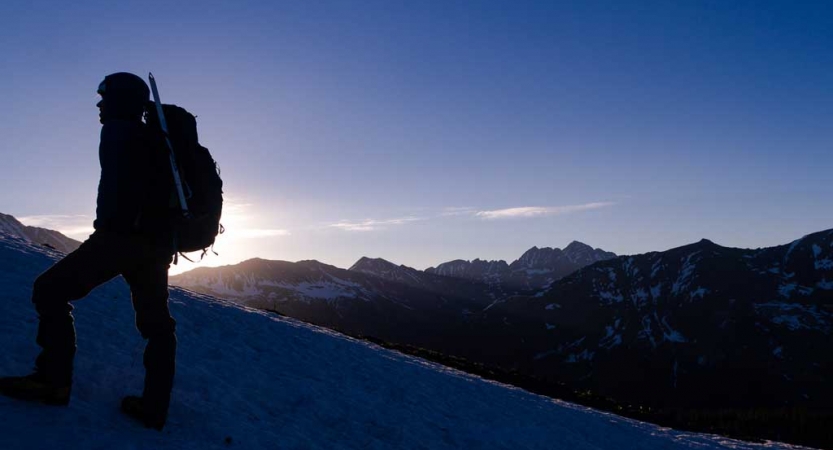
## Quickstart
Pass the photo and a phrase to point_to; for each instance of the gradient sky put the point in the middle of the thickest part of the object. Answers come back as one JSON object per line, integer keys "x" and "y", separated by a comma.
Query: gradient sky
{"x": 425, "y": 131}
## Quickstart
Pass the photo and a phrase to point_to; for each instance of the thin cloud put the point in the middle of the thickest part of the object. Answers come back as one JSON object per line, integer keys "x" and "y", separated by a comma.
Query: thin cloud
{"x": 538, "y": 211}
{"x": 458, "y": 211}
{"x": 371, "y": 224}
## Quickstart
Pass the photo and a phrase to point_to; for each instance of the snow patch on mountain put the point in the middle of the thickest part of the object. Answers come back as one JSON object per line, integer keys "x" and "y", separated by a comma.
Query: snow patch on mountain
{"x": 686, "y": 272}
{"x": 321, "y": 291}
{"x": 796, "y": 316}
{"x": 669, "y": 333}
{"x": 612, "y": 337}
{"x": 816, "y": 250}
{"x": 700, "y": 292}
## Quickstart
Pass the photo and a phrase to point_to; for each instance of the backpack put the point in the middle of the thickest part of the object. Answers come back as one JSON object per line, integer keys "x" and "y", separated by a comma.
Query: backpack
{"x": 200, "y": 177}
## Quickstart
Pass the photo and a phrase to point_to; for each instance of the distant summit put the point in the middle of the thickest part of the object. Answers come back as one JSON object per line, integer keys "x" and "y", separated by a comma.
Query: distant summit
{"x": 475, "y": 269}
{"x": 389, "y": 271}
{"x": 536, "y": 268}
{"x": 40, "y": 236}
{"x": 374, "y": 265}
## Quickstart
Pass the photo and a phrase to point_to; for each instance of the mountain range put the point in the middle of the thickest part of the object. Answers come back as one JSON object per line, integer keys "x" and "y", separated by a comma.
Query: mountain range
{"x": 250, "y": 379}
{"x": 40, "y": 236}
{"x": 749, "y": 326}
{"x": 377, "y": 298}
{"x": 537, "y": 268}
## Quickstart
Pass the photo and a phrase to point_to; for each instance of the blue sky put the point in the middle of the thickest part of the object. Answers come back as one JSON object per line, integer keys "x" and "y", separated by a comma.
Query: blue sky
{"x": 427, "y": 131}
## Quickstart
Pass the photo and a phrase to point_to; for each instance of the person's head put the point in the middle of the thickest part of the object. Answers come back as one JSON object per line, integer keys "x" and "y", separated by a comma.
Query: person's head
{"x": 123, "y": 96}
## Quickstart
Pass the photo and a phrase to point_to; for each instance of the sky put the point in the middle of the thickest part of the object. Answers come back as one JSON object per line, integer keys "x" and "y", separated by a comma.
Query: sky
{"x": 422, "y": 132}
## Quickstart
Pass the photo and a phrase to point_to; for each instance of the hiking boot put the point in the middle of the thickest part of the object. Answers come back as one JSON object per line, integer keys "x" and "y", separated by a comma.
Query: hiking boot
{"x": 136, "y": 408}
{"x": 35, "y": 388}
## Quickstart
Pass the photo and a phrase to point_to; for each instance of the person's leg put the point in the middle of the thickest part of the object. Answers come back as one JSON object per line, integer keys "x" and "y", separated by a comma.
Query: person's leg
{"x": 149, "y": 288}
{"x": 71, "y": 278}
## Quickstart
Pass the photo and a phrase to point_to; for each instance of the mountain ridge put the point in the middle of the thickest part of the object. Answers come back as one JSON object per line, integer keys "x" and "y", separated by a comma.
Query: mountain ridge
{"x": 696, "y": 314}
{"x": 687, "y": 309}
{"x": 37, "y": 235}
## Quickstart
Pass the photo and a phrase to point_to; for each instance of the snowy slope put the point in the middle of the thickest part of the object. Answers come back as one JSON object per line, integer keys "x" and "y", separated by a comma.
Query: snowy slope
{"x": 248, "y": 379}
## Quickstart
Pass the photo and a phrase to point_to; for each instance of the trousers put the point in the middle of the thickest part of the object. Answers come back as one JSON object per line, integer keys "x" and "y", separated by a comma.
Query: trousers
{"x": 105, "y": 255}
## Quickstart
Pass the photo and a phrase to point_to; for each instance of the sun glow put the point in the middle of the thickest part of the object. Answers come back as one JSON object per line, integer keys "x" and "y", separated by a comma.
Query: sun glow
{"x": 242, "y": 238}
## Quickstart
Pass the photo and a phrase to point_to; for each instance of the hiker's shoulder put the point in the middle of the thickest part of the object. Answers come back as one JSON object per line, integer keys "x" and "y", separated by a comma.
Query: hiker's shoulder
{"x": 121, "y": 130}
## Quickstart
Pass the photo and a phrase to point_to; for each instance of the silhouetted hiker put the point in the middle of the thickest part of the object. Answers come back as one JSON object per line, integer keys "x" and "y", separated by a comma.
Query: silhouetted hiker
{"x": 132, "y": 238}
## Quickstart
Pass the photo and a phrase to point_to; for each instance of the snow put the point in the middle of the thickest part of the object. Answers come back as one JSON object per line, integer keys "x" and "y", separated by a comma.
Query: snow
{"x": 699, "y": 292}
{"x": 260, "y": 381}
{"x": 610, "y": 340}
{"x": 247, "y": 287}
{"x": 224, "y": 289}
{"x": 611, "y": 297}
{"x": 647, "y": 331}
{"x": 629, "y": 268}
{"x": 816, "y": 251}
{"x": 785, "y": 290}
{"x": 639, "y": 298}
{"x": 670, "y": 334}
{"x": 656, "y": 291}
{"x": 792, "y": 247}
{"x": 824, "y": 264}
{"x": 585, "y": 355}
{"x": 656, "y": 267}
{"x": 686, "y": 272}
{"x": 796, "y": 316}
{"x": 320, "y": 290}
